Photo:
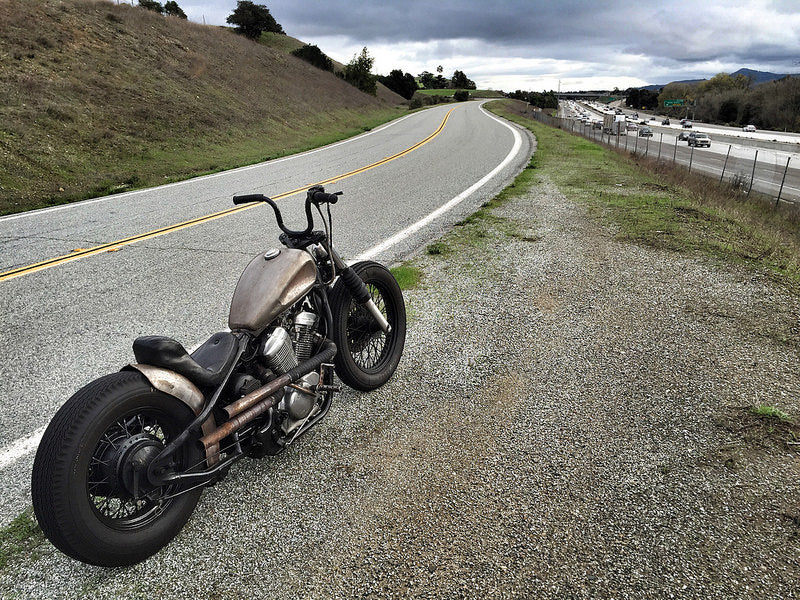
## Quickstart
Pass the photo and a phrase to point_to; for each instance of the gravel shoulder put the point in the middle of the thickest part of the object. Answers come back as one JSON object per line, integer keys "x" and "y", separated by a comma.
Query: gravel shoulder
{"x": 569, "y": 421}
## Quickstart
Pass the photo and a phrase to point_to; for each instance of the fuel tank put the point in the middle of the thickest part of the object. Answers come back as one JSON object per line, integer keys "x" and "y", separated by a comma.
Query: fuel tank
{"x": 270, "y": 284}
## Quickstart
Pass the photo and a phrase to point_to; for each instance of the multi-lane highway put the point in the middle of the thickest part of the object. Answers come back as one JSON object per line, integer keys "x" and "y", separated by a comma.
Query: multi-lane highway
{"x": 761, "y": 157}
{"x": 79, "y": 282}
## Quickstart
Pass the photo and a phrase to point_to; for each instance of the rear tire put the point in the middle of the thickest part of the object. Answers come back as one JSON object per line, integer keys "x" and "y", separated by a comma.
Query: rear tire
{"x": 367, "y": 357}
{"x": 89, "y": 498}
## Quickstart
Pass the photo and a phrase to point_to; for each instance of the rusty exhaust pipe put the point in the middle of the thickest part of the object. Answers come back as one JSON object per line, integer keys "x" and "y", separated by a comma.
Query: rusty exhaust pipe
{"x": 259, "y": 401}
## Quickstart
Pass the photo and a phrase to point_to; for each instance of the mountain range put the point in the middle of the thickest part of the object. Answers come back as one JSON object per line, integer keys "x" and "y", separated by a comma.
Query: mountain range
{"x": 757, "y": 78}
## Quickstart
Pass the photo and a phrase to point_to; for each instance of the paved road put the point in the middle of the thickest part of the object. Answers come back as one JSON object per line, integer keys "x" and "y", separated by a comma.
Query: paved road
{"x": 69, "y": 323}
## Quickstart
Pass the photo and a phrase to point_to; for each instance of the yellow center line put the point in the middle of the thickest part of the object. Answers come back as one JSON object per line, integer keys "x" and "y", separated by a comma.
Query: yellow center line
{"x": 60, "y": 260}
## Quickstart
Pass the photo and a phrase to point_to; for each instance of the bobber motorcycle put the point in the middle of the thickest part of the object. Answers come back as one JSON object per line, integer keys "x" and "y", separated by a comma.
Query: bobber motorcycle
{"x": 123, "y": 463}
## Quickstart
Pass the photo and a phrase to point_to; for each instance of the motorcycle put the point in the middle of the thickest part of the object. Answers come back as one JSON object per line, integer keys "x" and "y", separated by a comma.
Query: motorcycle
{"x": 123, "y": 463}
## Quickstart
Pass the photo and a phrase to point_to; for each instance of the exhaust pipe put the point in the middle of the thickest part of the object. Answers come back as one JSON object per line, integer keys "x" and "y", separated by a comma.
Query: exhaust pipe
{"x": 259, "y": 401}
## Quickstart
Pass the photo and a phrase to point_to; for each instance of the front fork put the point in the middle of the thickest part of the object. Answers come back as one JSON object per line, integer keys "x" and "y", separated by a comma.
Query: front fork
{"x": 359, "y": 290}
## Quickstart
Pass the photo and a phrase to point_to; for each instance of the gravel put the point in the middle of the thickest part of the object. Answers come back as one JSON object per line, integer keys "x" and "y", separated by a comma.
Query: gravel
{"x": 567, "y": 422}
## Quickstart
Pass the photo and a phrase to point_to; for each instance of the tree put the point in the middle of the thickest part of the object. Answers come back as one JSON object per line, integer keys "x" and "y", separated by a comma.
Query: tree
{"x": 252, "y": 20}
{"x": 171, "y": 8}
{"x": 426, "y": 79}
{"x": 357, "y": 73}
{"x": 403, "y": 84}
{"x": 315, "y": 56}
{"x": 461, "y": 81}
{"x": 152, "y": 5}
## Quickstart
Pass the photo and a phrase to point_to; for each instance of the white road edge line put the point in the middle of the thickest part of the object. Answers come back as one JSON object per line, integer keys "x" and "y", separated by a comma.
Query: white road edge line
{"x": 411, "y": 229}
{"x": 24, "y": 446}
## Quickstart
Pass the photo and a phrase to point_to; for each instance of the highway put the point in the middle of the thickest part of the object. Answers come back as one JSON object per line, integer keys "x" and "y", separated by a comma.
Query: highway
{"x": 731, "y": 149}
{"x": 79, "y": 282}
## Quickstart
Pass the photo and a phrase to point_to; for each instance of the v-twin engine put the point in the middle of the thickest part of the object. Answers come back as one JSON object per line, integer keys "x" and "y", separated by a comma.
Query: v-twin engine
{"x": 280, "y": 353}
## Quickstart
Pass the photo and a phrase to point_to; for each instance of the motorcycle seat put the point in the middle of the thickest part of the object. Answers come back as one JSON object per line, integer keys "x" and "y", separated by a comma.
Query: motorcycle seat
{"x": 205, "y": 367}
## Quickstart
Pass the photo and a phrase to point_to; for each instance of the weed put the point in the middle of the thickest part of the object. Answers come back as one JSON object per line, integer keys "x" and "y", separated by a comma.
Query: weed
{"x": 769, "y": 412}
{"x": 437, "y": 248}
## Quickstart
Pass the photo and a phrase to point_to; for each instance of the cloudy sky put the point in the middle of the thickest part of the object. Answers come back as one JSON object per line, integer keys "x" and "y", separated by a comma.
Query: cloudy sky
{"x": 537, "y": 45}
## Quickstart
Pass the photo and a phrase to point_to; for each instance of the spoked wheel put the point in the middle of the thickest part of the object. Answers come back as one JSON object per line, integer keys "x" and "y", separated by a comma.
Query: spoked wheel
{"x": 90, "y": 489}
{"x": 367, "y": 356}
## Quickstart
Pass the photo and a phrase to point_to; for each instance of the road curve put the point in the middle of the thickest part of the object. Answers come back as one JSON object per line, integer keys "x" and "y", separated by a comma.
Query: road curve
{"x": 66, "y": 324}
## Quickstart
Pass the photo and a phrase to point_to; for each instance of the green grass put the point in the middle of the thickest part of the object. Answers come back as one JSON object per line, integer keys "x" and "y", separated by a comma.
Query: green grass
{"x": 664, "y": 208}
{"x": 21, "y": 535}
{"x": 407, "y": 276}
{"x": 769, "y": 412}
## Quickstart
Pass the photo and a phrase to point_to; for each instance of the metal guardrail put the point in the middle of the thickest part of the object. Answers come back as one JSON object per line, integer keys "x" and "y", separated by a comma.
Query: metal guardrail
{"x": 772, "y": 175}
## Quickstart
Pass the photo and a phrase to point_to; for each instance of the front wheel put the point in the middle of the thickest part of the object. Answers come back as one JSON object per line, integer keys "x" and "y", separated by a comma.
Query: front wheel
{"x": 367, "y": 356}
{"x": 89, "y": 486}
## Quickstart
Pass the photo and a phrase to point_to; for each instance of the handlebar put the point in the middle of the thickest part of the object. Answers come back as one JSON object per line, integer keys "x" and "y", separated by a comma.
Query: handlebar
{"x": 316, "y": 195}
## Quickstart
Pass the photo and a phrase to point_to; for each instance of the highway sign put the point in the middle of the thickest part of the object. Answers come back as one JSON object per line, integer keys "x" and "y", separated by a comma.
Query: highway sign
{"x": 677, "y": 102}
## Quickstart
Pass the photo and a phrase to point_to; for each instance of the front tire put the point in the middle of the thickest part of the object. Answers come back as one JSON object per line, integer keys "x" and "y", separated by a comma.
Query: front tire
{"x": 89, "y": 488}
{"x": 367, "y": 356}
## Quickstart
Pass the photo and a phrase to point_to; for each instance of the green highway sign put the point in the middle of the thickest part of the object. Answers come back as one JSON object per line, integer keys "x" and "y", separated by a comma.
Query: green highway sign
{"x": 678, "y": 102}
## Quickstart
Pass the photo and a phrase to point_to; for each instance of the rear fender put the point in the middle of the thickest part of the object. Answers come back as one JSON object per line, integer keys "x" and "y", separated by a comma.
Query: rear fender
{"x": 178, "y": 386}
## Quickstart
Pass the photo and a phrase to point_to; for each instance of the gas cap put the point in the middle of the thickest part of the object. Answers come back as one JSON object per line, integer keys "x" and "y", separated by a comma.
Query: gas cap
{"x": 271, "y": 253}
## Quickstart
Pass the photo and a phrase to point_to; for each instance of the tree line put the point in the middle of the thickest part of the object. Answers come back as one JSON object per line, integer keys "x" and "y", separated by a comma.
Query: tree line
{"x": 539, "y": 99}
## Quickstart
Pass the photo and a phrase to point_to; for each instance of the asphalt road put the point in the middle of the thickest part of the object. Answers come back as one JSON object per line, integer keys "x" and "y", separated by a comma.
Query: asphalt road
{"x": 71, "y": 322}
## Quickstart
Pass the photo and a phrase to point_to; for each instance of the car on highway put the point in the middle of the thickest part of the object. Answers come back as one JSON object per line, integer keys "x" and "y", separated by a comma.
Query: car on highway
{"x": 597, "y": 124}
{"x": 665, "y": 122}
{"x": 683, "y": 136}
{"x": 630, "y": 126}
{"x": 686, "y": 124}
{"x": 750, "y": 128}
{"x": 699, "y": 139}
{"x": 645, "y": 132}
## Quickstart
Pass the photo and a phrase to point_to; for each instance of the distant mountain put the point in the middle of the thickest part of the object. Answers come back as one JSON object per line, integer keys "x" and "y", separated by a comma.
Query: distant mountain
{"x": 757, "y": 78}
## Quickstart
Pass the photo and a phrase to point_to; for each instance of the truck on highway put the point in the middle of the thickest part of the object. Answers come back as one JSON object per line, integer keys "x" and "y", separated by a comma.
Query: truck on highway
{"x": 614, "y": 124}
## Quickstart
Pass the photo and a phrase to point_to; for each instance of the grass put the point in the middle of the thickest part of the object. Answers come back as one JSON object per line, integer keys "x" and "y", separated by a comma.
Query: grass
{"x": 472, "y": 93}
{"x": 21, "y": 535}
{"x": 407, "y": 275}
{"x": 769, "y": 412}
{"x": 656, "y": 205}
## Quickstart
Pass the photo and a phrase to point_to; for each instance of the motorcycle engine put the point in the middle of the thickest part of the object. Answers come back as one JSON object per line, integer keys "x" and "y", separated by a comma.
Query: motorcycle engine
{"x": 281, "y": 352}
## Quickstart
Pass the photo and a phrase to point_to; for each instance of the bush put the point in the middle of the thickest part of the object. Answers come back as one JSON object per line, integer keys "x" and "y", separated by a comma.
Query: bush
{"x": 315, "y": 56}
{"x": 357, "y": 73}
{"x": 461, "y": 96}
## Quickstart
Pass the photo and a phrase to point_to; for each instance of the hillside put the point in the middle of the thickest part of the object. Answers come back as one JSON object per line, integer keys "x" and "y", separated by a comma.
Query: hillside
{"x": 98, "y": 97}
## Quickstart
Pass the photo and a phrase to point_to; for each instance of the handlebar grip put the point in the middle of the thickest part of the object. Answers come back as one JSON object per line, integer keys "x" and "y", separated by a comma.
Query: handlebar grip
{"x": 246, "y": 198}
{"x": 321, "y": 197}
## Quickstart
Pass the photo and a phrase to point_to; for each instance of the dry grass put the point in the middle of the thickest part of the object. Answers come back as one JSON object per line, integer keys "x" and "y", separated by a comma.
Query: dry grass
{"x": 98, "y": 97}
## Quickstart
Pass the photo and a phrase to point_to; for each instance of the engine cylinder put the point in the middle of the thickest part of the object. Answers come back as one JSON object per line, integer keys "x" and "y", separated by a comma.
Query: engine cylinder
{"x": 304, "y": 326}
{"x": 277, "y": 353}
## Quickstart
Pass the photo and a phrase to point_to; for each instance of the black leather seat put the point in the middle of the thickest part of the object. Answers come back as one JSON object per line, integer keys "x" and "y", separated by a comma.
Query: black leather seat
{"x": 205, "y": 367}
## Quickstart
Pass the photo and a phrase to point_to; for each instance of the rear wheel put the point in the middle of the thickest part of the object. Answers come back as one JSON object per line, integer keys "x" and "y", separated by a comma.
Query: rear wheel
{"x": 89, "y": 487}
{"x": 367, "y": 356}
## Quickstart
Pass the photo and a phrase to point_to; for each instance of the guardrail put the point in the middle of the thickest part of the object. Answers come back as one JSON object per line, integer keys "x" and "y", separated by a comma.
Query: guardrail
{"x": 773, "y": 174}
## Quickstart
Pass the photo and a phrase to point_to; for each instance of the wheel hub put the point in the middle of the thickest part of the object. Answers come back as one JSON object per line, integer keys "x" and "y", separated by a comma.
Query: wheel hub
{"x": 134, "y": 456}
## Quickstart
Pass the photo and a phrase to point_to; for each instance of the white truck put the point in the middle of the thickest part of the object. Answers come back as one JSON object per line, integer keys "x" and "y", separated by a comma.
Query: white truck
{"x": 614, "y": 124}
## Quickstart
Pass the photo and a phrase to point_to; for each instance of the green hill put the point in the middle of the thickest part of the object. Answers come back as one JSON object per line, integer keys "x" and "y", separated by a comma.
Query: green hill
{"x": 98, "y": 97}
